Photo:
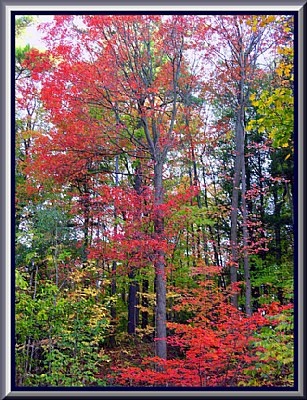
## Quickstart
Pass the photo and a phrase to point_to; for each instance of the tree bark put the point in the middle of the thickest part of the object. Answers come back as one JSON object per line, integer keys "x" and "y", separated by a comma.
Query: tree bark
{"x": 134, "y": 287}
{"x": 145, "y": 286}
{"x": 277, "y": 229}
{"x": 212, "y": 234}
{"x": 235, "y": 203}
{"x": 86, "y": 207}
{"x": 114, "y": 264}
{"x": 246, "y": 65}
{"x": 133, "y": 311}
{"x": 248, "y": 289}
{"x": 161, "y": 350}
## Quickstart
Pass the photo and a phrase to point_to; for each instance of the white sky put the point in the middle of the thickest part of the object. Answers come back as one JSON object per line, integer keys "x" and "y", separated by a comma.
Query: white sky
{"x": 31, "y": 35}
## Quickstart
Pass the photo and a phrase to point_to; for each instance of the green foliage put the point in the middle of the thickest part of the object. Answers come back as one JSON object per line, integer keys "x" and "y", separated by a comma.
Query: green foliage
{"x": 276, "y": 106}
{"x": 277, "y": 115}
{"x": 272, "y": 277}
{"x": 20, "y": 53}
{"x": 21, "y": 23}
{"x": 276, "y": 352}
{"x": 20, "y": 282}
{"x": 59, "y": 333}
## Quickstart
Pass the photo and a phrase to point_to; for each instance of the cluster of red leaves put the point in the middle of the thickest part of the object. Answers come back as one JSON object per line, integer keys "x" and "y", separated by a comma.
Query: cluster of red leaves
{"x": 134, "y": 238}
{"x": 214, "y": 348}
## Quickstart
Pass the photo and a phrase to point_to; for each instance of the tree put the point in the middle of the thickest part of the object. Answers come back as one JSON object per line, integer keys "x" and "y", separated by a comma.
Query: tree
{"x": 240, "y": 42}
{"x": 138, "y": 100}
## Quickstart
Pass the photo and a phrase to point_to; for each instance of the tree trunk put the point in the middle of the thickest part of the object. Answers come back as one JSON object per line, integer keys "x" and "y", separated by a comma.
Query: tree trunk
{"x": 248, "y": 289}
{"x": 277, "y": 229}
{"x": 160, "y": 317}
{"x": 133, "y": 311}
{"x": 134, "y": 287}
{"x": 113, "y": 304}
{"x": 145, "y": 286}
{"x": 262, "y": 211}
{"x": 114, "y": 265}
{"x": 235, "y": 202}
{"x": 212, "y": 234}
{"x": 86, "y": 207}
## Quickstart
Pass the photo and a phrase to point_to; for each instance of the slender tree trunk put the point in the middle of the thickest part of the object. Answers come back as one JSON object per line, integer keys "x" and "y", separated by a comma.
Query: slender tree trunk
{"x": 134, "y": 287}
{"x": 86, "y": 205}
{"x": 193, "y": 245}
{"x": 277, "y": 211}
{"x": 113, "y": 304}
{"x": 155, "y": 306}
{"x": 212, "y": 234}
{"x": 160, "y": 317}
{"x": 235, "y": 203}
{"x": 243, "y": 93}
{"x": 133, "y": 311}
{"x": 248, "y": 289}
{"x": 200, "y": 229}
{"x": 145, "y": 286}
{"x": 114, "y": 265}
{"x": 262, "y": 211}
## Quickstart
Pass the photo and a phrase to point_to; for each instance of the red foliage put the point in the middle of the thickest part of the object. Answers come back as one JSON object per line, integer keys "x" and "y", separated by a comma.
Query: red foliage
{"x": 213, "y": 349}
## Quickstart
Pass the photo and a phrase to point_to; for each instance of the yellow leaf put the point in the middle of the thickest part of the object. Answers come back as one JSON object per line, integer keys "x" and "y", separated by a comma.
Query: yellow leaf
{"x": 249, "y": 127}
{"x": 279, "y": 72}
{"x": 261, "y": 129}
{"x": 287, "y": 156}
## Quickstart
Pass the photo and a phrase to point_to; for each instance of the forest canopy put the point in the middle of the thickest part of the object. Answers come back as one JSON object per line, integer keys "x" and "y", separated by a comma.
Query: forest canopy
{"x": 154, "y": 201}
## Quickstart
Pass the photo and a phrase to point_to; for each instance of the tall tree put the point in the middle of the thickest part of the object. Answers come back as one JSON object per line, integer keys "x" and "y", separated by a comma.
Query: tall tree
{"x": 132, "y": 66}
{"x": 241, "y": 40}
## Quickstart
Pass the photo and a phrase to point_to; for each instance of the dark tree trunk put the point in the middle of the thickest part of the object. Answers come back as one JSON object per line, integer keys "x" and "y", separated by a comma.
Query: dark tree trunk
{"x": 113, "y": 305}
{"x": 133, "y": 311}
{"x": 277, "y": 228}
{"x": 145, "y": 286}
